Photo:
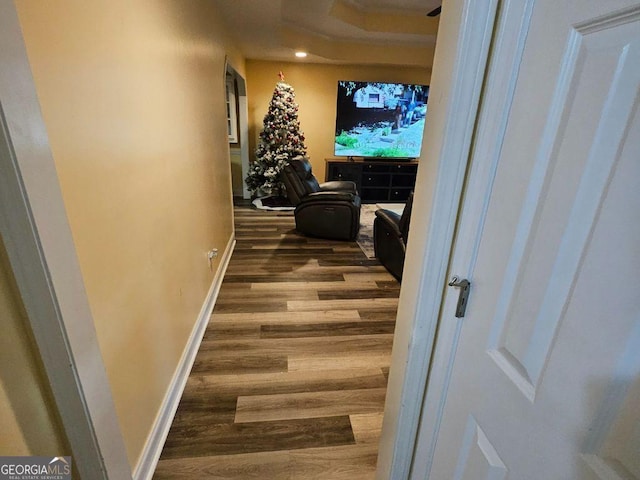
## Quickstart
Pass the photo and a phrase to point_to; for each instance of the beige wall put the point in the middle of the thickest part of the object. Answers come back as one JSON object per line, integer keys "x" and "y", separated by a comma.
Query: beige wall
{"x": 406, "y": 323}
{"x": 315, "y": 86}
{"x": 28, "y": 420}
{"x": 132, "y": 94}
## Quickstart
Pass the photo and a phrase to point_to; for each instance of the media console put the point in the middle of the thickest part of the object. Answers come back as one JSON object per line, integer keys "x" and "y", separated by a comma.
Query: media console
{"x": 376, "y": 180}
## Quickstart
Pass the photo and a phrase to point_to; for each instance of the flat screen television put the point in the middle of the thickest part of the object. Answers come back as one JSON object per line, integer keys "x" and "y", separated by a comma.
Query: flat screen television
{"x": 380, "y": 120}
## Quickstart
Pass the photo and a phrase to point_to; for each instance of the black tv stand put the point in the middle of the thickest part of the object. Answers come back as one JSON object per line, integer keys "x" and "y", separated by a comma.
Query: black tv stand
{"x": 386, "y": 159}
{"x": 379, "y": 180}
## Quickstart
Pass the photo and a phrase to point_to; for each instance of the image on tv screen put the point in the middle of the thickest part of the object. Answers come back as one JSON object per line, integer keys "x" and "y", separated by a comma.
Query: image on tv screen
{"x": 384, "y": 120}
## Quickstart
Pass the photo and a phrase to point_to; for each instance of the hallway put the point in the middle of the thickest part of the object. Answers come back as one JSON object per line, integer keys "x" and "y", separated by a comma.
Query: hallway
{"x": 290, "y": 379}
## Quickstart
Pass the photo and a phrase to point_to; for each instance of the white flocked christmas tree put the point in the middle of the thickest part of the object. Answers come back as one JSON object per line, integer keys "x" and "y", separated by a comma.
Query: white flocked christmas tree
{"x": 280, "y": 141}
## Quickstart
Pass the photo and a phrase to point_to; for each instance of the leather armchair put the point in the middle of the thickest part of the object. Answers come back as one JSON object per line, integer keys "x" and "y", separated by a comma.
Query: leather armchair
{"x": 390, "y": 233}
{"x": 328, "y": 210}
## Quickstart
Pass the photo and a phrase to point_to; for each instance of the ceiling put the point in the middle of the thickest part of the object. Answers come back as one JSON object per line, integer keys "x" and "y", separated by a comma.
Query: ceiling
{"x": 358, "y": 32}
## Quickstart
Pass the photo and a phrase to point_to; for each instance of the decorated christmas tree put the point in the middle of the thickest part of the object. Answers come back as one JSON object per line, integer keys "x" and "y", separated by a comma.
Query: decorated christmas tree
{"x": 280, "y": 141}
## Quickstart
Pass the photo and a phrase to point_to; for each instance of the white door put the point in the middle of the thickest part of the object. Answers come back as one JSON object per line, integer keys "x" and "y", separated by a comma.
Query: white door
{"x": 541, "y": 379}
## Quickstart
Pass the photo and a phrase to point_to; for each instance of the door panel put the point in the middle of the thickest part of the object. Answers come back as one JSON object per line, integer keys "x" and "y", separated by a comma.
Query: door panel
{"x": 612, "y": 448}
{"x": 546, "y": 370}
{"x": 478, "y": 459}
{"x": 564, "y": 197}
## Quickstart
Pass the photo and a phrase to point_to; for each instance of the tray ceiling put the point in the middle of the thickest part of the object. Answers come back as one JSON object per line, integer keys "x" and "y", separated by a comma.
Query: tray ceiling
{"x": 367, "y": 32}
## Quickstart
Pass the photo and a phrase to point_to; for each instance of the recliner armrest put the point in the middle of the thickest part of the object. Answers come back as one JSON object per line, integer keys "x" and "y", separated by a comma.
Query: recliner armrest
{"x": 339, "y": 185}
{"x": 330, "y": 196}
{"x": 390, "y": 219}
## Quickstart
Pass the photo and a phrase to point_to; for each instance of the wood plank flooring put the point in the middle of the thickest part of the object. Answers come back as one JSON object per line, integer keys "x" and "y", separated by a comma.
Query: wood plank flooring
{"x": 290, "y": 379}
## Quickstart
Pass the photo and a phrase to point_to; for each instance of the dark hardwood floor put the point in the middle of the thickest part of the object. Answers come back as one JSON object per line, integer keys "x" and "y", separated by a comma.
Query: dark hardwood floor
{"x": 290, "y": 379}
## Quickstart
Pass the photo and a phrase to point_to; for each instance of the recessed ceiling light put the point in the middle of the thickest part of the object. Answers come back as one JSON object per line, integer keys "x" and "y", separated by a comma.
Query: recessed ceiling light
{"x": 301, "y": 54}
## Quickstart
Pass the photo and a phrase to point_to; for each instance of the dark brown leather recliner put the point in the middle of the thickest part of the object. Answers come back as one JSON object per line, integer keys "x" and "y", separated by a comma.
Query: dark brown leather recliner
{"x": 328, "y": 210}
{"x": 390, "y": 233}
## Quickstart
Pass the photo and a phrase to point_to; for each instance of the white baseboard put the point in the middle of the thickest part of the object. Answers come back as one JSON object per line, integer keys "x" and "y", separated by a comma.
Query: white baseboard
{"x": 153, "y": 448}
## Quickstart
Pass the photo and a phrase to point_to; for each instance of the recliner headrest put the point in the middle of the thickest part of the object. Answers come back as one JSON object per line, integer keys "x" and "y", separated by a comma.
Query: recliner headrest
{"x": 405, "y": 219}
{"x": 302, "y": 168}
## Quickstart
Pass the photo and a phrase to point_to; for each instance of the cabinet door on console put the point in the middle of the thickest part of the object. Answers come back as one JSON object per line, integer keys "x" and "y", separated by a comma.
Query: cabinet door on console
{"x": 403, "y": 182}
{"x": 399, "y": 194}
{"x": 345, "y": 171}
{"x": 376, "y": 180}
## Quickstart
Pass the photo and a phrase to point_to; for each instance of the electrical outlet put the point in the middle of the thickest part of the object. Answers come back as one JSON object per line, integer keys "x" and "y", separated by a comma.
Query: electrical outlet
{"x": 211, "y": 254}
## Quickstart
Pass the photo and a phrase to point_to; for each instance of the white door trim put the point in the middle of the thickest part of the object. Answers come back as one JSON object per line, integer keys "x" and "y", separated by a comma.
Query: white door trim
{"x": 508, "y": 47}
{"x": 243, "y": 123}
{"x": 35, "y": 230}
{"x": 243, "y": 107}
{"x": 474, "y": 40}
